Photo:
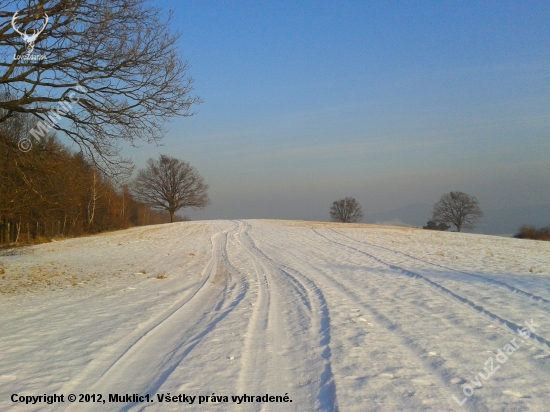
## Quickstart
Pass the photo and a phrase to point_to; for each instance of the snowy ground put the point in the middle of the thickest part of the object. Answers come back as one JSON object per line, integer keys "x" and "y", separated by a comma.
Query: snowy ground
{"x": 336, "y": 317}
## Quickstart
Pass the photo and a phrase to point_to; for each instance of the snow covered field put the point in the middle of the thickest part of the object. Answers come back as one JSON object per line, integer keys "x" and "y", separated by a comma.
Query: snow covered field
{"x": 336, "y": 317}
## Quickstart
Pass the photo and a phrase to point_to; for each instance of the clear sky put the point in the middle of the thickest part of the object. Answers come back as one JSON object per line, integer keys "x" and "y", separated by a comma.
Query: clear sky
{"x": 390, "y": 102}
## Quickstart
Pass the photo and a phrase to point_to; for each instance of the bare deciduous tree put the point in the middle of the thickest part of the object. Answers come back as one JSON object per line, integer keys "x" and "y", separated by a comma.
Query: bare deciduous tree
{"x": 459, "y": 209}
{"x": 112, "y": 72}
{"x": 170, "y": 184}
{"x": 346, "y": 210}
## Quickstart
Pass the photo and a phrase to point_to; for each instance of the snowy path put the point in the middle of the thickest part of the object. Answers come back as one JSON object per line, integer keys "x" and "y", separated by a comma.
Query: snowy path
{"x": 337, "y": 317}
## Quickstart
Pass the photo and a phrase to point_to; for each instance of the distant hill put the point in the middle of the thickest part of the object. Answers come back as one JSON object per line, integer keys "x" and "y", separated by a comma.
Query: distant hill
{"x": 416, "y": 214}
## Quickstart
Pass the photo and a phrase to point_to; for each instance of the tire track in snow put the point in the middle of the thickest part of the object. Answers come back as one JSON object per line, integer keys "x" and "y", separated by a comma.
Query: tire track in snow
{"x": 428, "y": 366}
{"x": 317, "y": 304}
{"x": 543, "y": 343}
{"x": 67, "y": 307}
{"x": 253, "y": 363}
{"x": 485, "y": 279}
{"x": 152, "y": 358}
{"x": 266, "y": 321}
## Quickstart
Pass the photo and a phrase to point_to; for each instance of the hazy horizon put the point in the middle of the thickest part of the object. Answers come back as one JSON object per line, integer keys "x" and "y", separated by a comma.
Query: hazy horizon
{"x": 393, "y": 104}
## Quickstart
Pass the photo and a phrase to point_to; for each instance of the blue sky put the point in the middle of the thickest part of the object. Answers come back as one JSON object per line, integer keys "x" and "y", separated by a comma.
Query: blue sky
{"x": 389, "y": 102}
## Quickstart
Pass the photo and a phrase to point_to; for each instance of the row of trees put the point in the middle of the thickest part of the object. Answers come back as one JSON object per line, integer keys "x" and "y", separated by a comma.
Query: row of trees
{"x": 51, "y": 190}
{"x": 454, "y": 208}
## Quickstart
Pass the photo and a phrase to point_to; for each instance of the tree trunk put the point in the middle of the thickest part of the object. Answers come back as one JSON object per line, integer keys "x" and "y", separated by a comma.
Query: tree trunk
{"x": 18, "y": 226}
{"x": 92, "y": 199}
{"x": 171, "y": 217}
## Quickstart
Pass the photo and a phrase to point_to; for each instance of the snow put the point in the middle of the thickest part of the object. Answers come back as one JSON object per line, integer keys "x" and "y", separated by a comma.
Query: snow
{"x": 335, "y": 316}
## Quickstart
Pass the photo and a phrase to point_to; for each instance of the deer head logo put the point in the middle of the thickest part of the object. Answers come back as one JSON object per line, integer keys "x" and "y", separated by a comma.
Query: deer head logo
{"x": 29, "y": 39}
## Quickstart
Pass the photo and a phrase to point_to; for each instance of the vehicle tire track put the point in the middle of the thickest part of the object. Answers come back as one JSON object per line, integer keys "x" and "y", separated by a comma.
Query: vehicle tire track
{"x": 152, "y": 358}
{"x": 266, "y": 322}
{"x": 543, "y": 343}
{"x": 63, "y": 306}
{"x": 485, "y": 279}
{"x": 253, "y": 364}
{"x": 429, "y": 366}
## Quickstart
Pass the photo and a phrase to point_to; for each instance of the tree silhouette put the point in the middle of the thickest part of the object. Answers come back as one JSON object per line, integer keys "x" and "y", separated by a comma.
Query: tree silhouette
{"x": 459, "y": 209}
{"x": 346, "y": 210}
{"x": 170, "y": 184}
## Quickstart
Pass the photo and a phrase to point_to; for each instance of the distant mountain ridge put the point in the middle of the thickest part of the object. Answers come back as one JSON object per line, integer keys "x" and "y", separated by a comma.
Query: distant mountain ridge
{"x": 416, "y": 214}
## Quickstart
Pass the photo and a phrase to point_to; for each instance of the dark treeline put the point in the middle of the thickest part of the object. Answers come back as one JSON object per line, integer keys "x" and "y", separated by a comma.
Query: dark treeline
{"x": 51, "y": 191}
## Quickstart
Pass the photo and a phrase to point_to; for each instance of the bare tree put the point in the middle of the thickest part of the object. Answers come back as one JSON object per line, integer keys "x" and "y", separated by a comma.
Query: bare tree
{"x": 346, "y": 210}
{"x": 102, "y": 72}
{"x": 170, "y": 184}
{"x": 459, "y": 209}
